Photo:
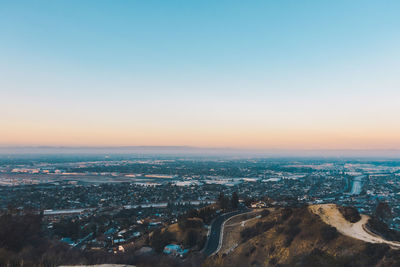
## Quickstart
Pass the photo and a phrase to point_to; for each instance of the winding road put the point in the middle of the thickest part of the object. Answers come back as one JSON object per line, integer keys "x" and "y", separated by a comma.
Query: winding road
{"x": 214, "y": 237}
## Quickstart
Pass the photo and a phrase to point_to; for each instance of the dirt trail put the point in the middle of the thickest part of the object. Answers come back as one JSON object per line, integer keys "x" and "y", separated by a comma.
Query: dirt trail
{"x": 330, "y": 214}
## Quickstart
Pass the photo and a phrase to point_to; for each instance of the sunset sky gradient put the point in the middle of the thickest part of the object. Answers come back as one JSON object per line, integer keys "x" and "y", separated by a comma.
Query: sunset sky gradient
{"x": 242, "y": 74}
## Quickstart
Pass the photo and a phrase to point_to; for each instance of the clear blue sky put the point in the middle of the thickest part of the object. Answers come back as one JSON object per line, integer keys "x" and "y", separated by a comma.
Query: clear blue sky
{"x": 290, "y": 74}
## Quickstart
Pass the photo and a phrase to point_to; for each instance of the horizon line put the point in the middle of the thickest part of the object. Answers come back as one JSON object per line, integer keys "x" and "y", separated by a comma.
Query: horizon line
{"x": 190, "y": 147}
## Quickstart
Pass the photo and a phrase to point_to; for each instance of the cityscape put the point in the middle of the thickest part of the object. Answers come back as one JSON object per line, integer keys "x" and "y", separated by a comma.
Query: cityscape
{"x": 199, "y": 133}
{"x": 112, "y": 203}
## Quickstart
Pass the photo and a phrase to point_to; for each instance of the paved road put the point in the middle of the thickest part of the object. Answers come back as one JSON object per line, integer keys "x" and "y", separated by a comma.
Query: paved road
{"x": 214, "y": 237}
{"x": 357, "y": 185}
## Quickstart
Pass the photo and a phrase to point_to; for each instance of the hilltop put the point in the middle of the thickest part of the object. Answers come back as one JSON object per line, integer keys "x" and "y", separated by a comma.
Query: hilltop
{"x": 301, "y": 236}
{"x": 331, "y": 215}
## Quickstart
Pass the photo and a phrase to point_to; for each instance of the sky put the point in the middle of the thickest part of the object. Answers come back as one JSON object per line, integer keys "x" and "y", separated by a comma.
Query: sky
{"x": 240, "y": 74}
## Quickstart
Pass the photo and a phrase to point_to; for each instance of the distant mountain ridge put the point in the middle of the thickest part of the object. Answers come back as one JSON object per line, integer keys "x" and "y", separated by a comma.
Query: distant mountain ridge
{"x": 192, "y": 150}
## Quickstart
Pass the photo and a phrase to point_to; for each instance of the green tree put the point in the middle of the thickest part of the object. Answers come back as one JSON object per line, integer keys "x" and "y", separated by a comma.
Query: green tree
{"x": 235, "y": 200}
{"x": 160, "y": 239}
{"x": 383, "y": 211}
{"x": 191, "y": 238}
{"x": 223, "y": 201}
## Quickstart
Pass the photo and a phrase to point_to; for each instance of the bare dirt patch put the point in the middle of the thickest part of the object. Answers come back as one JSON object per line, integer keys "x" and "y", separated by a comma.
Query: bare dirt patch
{"x": 330, "y": 214}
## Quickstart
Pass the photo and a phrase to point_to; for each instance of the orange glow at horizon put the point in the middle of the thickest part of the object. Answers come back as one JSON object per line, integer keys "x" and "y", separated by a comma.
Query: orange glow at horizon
{"x": 252, "y": 138}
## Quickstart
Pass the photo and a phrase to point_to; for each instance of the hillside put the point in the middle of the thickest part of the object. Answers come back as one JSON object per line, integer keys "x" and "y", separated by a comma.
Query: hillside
{"x": 330, "y": 214}
{"x": 296, "y": 237}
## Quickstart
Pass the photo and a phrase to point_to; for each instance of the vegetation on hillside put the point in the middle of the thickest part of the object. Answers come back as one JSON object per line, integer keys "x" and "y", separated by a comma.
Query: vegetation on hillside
{"x": 280, "y": 237}
{"x": 226, "y": 204}
{"x": 297, "y": 237}
{"x": 378, "y": 227}
{"x": 350, "y": 214}
{"x": 23, "y": 244}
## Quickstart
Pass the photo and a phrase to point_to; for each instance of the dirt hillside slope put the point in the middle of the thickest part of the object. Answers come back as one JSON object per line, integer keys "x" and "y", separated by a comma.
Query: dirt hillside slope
{"x": 299, "y": 237}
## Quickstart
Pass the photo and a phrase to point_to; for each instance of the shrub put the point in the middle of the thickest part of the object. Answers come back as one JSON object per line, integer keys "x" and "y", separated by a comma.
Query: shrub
{"x": 350, "y": 214}
{"x": 271, "y": 249}
{"x": 377, "y": 226}
{"x": 160, "y": 239}
{"x": 188, "y": 223}
{"x": 294, "y": 222}
{"x": 375, "y": 252}
{"x": 383, "y": 211}
{"x": 257, "y": 229}
{"x": 191, "y": 238}
{"x": 280, "y": 229}
{"x": 252, "y": 249}
{"x": 328, "y": 233}
{"x": 291, "y": 233}
{"x": 317, "y": 258}
{"x": 265, "y": 213}
{"x": 273, "y": 261}
{"x": 286, "y": 213}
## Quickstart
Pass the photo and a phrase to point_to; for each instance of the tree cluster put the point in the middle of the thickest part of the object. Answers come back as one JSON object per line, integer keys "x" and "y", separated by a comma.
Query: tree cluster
{"x": 351, "y": 214}
{"x": 285, "y": 214}
{"x": 160, "y": 239}
{"x": 383, "y": 211}
{"x": 377, "y": 226}
{"x": 189, "y": 223}
{"x": 226, "y": 203}
{"x": 192, "y": 238}
{"x": 206, "y": 215}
